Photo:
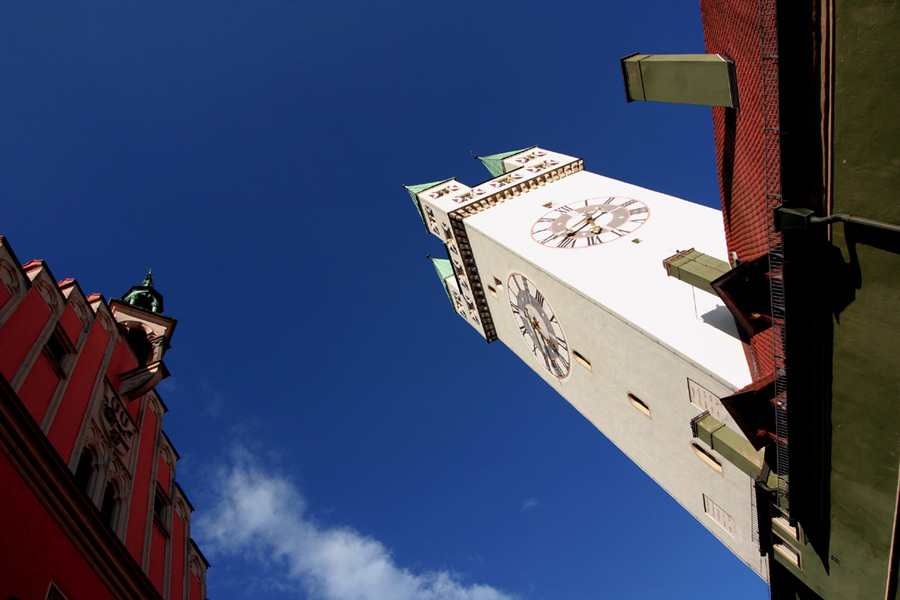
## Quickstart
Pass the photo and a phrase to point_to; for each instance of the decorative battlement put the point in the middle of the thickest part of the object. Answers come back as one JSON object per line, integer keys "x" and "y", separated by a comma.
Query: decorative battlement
{"x": 444, "y": 205}
{"x": 509, "y": 170}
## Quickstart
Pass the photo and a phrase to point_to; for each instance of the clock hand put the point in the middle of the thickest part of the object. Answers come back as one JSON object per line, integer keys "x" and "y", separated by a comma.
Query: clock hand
{"x": 587, "y": 219}
{"x": 542, "y": 345}
{"x": 536, "y": 329}
{"x": 549, "y": 343}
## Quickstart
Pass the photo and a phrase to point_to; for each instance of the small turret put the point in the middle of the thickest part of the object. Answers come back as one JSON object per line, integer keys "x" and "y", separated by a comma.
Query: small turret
{"x": 148, "y": 332}
{"x": 145, "y": 296}
{"x": 494, "y": 162}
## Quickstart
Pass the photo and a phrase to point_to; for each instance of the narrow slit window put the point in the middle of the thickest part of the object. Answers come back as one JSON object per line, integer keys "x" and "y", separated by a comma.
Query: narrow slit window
{"x": 84, "y": 472}
{"x": 492, "y": 291}
{"x": 639, "y": 404}
{"x": 109, "y": 505}
{"x": 582, "y": 361}
{"x": 498, "y": 284}
{"x": 706, "y": 457}
{"x": 161, "y": 509}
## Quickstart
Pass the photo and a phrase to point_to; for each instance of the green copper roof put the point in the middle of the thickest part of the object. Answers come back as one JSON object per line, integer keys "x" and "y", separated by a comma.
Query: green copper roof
{"x": 444, "y": 270}
{"x": 494, "y": 162}
{"x": 415, "y": 189}
{"x": 145, "y": 296}
{"x": 443, "y": 267}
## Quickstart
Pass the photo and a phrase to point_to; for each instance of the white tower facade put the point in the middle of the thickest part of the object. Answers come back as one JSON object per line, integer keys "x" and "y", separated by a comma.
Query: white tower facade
{"x": 566, "y": 268}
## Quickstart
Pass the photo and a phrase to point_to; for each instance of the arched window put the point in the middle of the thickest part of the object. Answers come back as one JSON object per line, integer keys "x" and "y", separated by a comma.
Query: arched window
{"x": 84, "y": 472}
{"x": 109, "y": 508}
{"x": 140, "y": 344}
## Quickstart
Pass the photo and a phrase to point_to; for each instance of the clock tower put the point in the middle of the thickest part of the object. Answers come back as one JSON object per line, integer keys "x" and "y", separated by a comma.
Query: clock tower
{"x": 567, "y": 268}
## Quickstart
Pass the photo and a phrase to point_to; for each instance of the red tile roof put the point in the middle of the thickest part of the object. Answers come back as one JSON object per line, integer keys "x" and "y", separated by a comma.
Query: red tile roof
{"x": 732, "y": 28}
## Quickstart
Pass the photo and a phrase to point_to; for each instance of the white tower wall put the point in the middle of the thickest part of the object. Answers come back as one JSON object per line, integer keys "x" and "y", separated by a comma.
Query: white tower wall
{"x": 646, "y": 353}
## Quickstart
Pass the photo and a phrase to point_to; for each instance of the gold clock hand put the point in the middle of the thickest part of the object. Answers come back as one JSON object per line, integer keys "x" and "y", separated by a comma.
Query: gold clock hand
{"x": 588, "y": 218}
{"x": 549, "y": 342}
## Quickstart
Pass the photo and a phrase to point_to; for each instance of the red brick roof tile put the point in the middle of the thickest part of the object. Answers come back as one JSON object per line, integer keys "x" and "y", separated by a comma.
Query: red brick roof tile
{"x": 732, "y": 28}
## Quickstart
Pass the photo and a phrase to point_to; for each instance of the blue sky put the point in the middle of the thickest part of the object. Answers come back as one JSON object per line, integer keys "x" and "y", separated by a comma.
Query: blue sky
{"x": 342, "y": 434}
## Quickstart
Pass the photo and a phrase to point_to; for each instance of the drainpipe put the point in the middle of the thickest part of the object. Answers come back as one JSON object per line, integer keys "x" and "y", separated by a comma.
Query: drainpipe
{"x": 788, "y": 219}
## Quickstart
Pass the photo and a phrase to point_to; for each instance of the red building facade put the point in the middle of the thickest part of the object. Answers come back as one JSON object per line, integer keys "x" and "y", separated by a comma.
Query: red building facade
{"x": 87, "y": 476}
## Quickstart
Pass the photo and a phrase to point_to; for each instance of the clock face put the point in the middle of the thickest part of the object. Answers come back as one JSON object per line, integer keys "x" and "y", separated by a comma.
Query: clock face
{"x": 590, "y": 222}
{"x": 538, "y": 325}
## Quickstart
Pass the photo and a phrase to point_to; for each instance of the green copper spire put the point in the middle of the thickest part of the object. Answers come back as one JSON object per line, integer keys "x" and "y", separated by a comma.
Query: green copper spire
{"x": 494, "y": 162}
{"x": 415, "y": 189}
{"x": 144, "y": 296}
{"x": 444, "y": 270}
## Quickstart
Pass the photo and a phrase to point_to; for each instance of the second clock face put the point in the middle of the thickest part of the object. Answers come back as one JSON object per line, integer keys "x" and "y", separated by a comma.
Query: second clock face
{"x": 590, "y": 222}
{"x": 538, "y": 325}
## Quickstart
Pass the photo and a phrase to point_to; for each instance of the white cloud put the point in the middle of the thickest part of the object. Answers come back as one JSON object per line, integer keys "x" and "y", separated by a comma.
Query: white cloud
{"x": 262, "y": 514}
{"x": 530, "y": 503}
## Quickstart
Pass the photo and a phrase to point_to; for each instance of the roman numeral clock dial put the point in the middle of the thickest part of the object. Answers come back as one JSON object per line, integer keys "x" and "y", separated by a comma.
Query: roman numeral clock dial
{"x": 590, "y": 222}
{"x": 538, "y": 325}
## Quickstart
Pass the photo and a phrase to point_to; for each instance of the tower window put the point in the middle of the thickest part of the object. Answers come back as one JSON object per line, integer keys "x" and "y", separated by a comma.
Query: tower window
{"x": 581, "y": 360}
{"x": 140, "y": 344}
{"x": 161, "y": 509}
{"x": 706, "y": 457}
{"x": 498, "y": 284}
{"x": 84, "y": 472}
{"x": 492, "y": 291}
{"x": 57, "y": 350}
{"x": 639, "y": 404}
{"x": 109, "y": 507}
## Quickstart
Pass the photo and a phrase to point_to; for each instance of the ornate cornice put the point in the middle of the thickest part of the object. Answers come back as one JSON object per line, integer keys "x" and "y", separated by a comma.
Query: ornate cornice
{"x": 155, "y": 406}
{"x": 137, "y": 382}
{"x": 9, "y": 276}
{"x": 50, "y": 294}
{"x": 109, "y": 324}
{"x": 181, "y": 508}
{"x": 458, "y": 216}
{"x": 196, "y": 566}
{"x": 520, "y": 188}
